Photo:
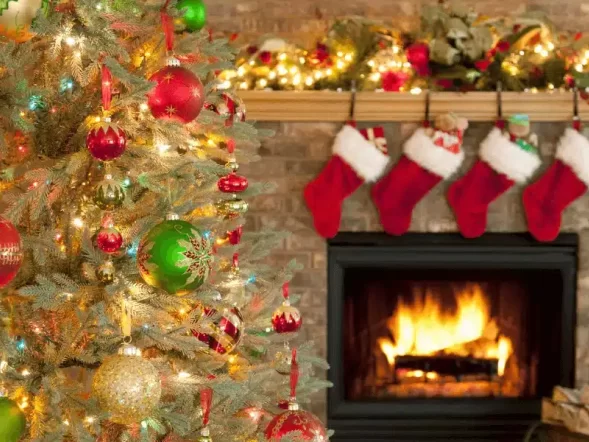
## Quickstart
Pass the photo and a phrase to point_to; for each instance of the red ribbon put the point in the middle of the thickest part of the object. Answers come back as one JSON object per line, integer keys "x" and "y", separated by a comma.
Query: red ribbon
{"x": 206, "y": 399}
{"x": 294, "y": 375}
{"x": 168, "y": 26}
{"x": 236, "y": 260}
{"x": 285, "y": 290}
{"x": 106, "y": 87}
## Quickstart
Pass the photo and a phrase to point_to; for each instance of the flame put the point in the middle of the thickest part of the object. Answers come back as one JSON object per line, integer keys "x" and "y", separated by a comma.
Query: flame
{"x": 424, "y": 328}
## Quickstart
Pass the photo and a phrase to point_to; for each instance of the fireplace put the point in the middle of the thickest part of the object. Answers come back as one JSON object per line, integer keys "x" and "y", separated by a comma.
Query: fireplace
{"x": 434, "y": 337}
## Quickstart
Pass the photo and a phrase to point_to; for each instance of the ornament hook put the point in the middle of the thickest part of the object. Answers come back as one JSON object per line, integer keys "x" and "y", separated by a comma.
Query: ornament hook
{"x": 351, "y": 116}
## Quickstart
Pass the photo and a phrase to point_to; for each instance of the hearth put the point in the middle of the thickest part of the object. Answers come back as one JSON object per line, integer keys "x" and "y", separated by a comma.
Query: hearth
{"x": 434, "y": 337}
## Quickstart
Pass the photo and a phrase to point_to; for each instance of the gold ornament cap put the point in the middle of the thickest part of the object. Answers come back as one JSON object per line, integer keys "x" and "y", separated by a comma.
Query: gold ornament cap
{"x": 172, "y": 216}
{"x": 129, "y": 350}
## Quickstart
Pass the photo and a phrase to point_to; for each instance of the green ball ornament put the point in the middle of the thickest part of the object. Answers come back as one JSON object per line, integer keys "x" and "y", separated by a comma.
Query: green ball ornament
{"x": 12, "y": 421}
{"x": 109, "y": 194}
{"x": 175, "y": 256}
{"x": 195, "y": 15}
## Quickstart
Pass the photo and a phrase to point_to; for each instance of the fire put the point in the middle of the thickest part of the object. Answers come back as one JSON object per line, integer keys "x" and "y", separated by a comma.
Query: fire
{"x": 423, "y": 328}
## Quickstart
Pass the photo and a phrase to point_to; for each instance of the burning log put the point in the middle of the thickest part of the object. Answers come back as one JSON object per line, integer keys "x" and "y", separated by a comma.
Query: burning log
{"x": 445, "y": 365}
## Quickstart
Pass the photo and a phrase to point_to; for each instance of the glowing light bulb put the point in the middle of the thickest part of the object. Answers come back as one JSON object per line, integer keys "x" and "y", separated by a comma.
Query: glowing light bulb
{"x": 579, "y": 67}
{"x": 544, "y": 53}
{"x": 282, "y": 56}
{"x": 182, "y": 311}
{"x": 339, "y": 64}
{"x": 70, "y": 41}
{"x": 296, "y": 80}
{"x": 252, "y": 62}
{"x": 550, "y": 46}
{"x": 293, "y": 70}
{"x": 371, "y": 63}
{"x": 89, "y": 419}
{"x": 395, "y": 49}
{"x": 66, "y": 422}
{"x": 538, "y": 48}
{"x": 78, "y": 54}
{"x": 143, "y": 107}
{"x": 263, "y": 82}
{"x": 25, "y": 372}
{"x": 415, "y": 90}
{"x": 241, "y": 71}
{"x": 318, "y": 75}
{"x": 78, "y": 222}
{"x": 302, "y": 60}
{"x": 283, "y": 80}
{"x": 340, "y": 54}
{"x": 243, "y": 85}
{"x": 329, "y": 71}
{"x": 183, "y": 375}
{"x": 309, "y": 81}
{"x": 163, "y": 148}
{"x": 375, "y": 76}
{"x": 3, "y": 366}
{"x": 271, "y": 75}
{"x": 348, "y": 57}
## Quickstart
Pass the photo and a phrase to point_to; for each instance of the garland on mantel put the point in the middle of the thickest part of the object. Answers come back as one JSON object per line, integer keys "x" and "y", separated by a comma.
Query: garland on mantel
{"x": 457, "y": 49}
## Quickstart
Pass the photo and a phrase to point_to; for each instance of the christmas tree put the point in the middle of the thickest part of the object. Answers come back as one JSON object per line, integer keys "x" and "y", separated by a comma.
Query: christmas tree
{"x": 136, "y": 304}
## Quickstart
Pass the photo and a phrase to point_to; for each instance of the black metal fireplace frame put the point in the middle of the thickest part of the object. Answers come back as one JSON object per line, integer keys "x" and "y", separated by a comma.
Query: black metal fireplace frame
{"x": 431, "y": 420}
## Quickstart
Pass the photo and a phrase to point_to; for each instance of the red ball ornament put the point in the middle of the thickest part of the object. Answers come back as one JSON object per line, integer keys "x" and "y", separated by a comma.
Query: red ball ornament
{"x": 11, "y": 252}
{"x": 179, "y": 94}
{"x": 106, "y": 141}
{"x": 220, "y": 329}
{"x": 232, "y": 183}
{"x": 286, "y": 318}
{"x": 108, "y": 238}
{"x": 295, "y": 423}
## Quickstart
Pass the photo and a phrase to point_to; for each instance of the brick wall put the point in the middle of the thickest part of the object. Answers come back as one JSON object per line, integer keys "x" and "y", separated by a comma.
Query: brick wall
{"x": 302, "y": 21}
{"x": 297, "y": 154}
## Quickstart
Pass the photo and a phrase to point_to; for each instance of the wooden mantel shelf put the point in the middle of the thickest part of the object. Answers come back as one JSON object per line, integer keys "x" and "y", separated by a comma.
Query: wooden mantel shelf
{"x": 383, "y": 106}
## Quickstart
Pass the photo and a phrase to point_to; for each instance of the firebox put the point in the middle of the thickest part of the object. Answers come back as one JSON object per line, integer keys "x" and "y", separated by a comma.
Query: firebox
{"x": 435, "y": 337}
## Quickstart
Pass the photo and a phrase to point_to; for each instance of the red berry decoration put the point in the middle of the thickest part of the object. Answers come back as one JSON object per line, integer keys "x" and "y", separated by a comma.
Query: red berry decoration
{"x": 232, "y": 183}
{"x": 108, "y": 238}
{"x": 220, "y": 329}
{"x": 295, "y": 423}
{"x": 106, "y": 141}
{"x": 179, "y": 94}
{"x": 235, "y": 236}
{"x": 11, "y": 252}
{"x": 286, "y": 318}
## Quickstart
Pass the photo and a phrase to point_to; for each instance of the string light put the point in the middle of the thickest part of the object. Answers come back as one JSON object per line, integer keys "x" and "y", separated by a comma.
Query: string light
{"x": 25, "y": 372}
{"x": 3, "y": 366}
{"x": 184, "y": 375}
{"x": 415, "y": 90}
{"x": 163, "y": 148}
{"x": 90, "y": 419}
{"x": 66, "y": 422}
{"x": 70, "y": 41}
{"x": 78, "y": 222}
{"x": 143, "y": 107}
{"x": 21, "y": 344}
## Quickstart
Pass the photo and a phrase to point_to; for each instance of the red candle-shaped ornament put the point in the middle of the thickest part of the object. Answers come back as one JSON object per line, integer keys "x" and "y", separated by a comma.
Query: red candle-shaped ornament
{"x": 11, "y": 252}
{"x": 286, "y": 318}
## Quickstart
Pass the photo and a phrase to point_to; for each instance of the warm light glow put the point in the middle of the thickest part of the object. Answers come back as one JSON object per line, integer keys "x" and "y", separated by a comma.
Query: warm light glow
{"x": 538, "y": 48}
{"x": 143, "y": 107}
{"x": 309, "y": 81}
{"x": 241, "y": 71}
{"x": 579, "y": 67}
{"x": 89, "y": 419}
{"x": 163, "y": 148}
{"x": 282, "y": 56}
{"x": 3, "y": 366}
{"x": 78, "y": 222}
{"x": 550, "y": 46}
{"x": 66, "y": 422}
{"x": 271, "y": 75}
{"x": 415, "y": 90}
{"x": 183, "y": 375}
{"x": 70, "y": 41}
{"x": 263, "y": 82}
{"x": 424, "y": 328}
{"x": 25, "y": 372}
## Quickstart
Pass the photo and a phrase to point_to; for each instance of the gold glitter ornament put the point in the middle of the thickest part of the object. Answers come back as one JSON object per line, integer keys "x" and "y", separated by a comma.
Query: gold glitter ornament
{"x": 105, "y": 273}
{"x": 127, "y": 386}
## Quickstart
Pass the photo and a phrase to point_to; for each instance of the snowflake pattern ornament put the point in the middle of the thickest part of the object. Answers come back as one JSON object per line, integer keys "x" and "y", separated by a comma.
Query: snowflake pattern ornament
{"x": 295, "y": 424}
{"x": 178, "y": 96}
{"x": 175, "y": 256}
